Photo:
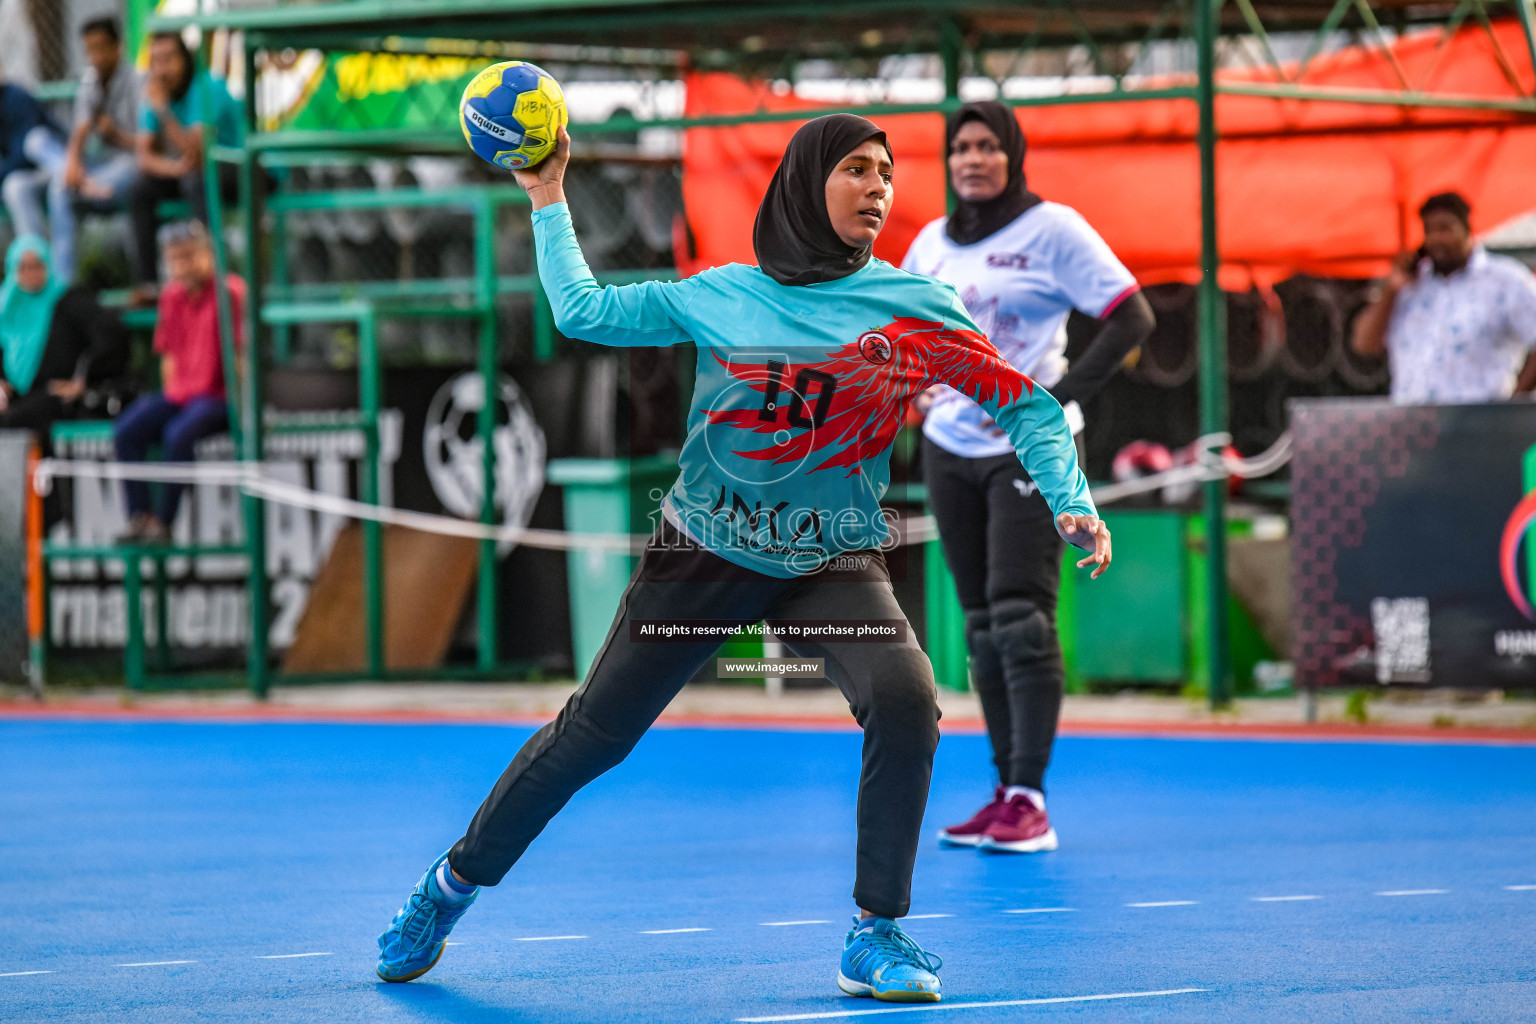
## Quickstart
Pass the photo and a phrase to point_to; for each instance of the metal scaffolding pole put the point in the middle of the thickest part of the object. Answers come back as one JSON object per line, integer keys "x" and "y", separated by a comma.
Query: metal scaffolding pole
{"x": 1527, "y": 12}
{"x": 950, "y": 55}
{"x": 250, "y": 436}
{"x": 1213, "y": 360}
{"x": 487, "y": 615}
{"x": 370, "y": 391}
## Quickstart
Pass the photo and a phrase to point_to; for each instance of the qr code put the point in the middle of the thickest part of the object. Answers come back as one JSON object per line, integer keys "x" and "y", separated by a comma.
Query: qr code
{"x": 1402, "y": 639}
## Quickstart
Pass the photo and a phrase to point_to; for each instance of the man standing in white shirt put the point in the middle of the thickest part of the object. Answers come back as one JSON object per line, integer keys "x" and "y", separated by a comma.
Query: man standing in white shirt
{"x": 1457, "y": 323}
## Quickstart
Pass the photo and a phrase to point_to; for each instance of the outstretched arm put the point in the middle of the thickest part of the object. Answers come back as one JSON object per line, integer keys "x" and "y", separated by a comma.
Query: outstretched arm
{"x": 649, "y": 313}
{"x": 965, "y": 360}
{"x": 1043, "y": 440}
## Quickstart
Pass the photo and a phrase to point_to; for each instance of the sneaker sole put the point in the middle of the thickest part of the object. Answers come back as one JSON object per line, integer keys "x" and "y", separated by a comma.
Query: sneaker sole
{"x": 969, "y": 842}
{"x": 415, "y": 974}
{"x": 859, "y": 988}
{"x": 908, "y": 996}
{"x": 1040, "y": 844}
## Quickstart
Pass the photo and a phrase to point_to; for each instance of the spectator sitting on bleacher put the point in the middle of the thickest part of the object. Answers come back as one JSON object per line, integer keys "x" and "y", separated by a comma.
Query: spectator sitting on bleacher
{"x": 176, "y": 99}
{"x": 56, "y": 340}
{"x": 191, "y": 404}
{"x": 96, "y": 166}
{"x": 25, "y": 128}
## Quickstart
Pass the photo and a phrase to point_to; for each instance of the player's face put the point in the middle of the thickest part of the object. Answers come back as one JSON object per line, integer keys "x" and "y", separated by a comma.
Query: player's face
{"x": 859, "y": 194}
{"x": 978, "y": 165}
{"x": 190, "y": 263}
{"x": 101, "y": 51}
{"x": 166, "y": 64}
{"x": 31, "y": 273}
{"x": 1447, "y": 241}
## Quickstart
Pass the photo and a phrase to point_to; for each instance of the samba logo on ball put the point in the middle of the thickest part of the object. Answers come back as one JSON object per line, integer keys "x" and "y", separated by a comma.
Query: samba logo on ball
{"x": 511, "y": 114}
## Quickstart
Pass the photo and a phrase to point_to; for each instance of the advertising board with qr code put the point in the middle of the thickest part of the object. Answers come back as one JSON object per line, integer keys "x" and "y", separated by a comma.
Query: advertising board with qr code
{"x": 1412, "y": 557}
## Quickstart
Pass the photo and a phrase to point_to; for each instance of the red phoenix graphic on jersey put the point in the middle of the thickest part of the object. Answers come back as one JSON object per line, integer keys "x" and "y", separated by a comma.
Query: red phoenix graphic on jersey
{"x": 850, "y": 404}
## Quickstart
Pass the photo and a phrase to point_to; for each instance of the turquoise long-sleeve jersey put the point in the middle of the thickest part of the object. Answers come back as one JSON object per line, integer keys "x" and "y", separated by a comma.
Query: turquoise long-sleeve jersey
{"x": 800, "y": 393}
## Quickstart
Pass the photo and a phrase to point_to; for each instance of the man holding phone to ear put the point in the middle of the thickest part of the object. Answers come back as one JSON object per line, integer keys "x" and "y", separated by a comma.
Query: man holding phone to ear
{"x": 1457, "y": 322}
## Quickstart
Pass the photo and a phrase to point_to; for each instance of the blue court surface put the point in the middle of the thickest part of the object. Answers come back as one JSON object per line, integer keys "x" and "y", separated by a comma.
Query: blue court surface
{"x": 194, "y": 871}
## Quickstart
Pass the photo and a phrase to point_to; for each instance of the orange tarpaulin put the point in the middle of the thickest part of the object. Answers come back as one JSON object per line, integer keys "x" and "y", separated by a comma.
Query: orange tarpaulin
{"x": 1328, "y": 188}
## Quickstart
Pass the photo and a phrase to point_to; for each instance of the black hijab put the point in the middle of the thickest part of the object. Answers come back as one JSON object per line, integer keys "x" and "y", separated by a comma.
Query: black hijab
{"x": 971, "y": 222}
{"x": 793, "y": 236}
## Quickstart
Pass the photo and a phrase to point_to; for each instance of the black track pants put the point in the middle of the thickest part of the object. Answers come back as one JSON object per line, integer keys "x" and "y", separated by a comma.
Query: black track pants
{"x": 1001, "y": 545}
{"x": 889, "y": 687}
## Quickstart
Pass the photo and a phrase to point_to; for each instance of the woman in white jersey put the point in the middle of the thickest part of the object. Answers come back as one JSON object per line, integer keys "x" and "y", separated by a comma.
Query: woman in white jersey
{"x": 1021, "y": 265}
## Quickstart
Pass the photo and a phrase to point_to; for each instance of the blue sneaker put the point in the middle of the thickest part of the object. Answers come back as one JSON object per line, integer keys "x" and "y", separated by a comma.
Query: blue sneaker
{"x": 880, "y": 960}
{"x": 415, "y": 939}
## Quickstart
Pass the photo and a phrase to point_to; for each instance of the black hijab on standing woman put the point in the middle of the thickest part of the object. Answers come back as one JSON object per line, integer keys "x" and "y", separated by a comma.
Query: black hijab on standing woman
{"x": 971, "y": 222}
{"x": 793, "y": 236}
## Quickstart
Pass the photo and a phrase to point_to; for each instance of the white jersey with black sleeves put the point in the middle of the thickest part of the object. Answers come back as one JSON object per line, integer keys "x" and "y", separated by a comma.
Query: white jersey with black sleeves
{"x": 1018, "y": 284}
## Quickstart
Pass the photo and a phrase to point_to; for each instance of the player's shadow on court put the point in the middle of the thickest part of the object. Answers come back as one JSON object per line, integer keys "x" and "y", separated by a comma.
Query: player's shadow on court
{"x": 436, "y": 1003}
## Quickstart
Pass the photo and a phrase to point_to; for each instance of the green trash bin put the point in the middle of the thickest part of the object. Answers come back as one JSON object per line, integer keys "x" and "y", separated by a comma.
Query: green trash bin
{"x": 605, "y": 496}
{"x": 1130, "y": 624}
{"x": 1142, "y": 622}
{"x": 1145, "y": 621}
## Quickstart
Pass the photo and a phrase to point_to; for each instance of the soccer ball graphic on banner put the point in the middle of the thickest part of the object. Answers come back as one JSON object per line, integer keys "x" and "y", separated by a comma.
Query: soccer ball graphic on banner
{"x": 511, "y": 114}
{"x": 453, "y": 451}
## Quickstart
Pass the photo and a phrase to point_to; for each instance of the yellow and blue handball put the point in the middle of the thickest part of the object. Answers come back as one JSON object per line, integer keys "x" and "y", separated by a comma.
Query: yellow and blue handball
{"x": 511, "y": 114}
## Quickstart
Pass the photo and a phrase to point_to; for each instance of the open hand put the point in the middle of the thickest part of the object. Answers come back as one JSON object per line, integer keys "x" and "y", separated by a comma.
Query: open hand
{"x": 544, "y": 181}
{"x": 1090, "y": 534}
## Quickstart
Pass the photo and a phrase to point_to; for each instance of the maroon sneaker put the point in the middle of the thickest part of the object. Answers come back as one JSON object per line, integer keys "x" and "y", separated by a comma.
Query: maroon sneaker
{"x": 1019, "y": 827}
{"x": 970, "y": 833}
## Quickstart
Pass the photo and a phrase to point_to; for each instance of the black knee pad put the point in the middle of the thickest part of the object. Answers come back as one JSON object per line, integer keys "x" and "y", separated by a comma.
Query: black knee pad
{"x": 978, "y": 636}
{"x": 901, "y": 696}
{"x": 1022, "y": 632}
{"x": 977, "y": 621}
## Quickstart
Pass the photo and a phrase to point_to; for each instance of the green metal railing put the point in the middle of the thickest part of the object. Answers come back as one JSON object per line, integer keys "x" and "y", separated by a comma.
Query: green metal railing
{"x": 138, "y": 673}
{"x": 364, "y": 305}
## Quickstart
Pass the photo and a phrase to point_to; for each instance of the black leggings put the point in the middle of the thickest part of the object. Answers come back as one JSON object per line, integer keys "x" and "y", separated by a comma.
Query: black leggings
{"x": 889, "y": 687}
{"x": 1001, "y": 545}
{"x": 35, "y": 411}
